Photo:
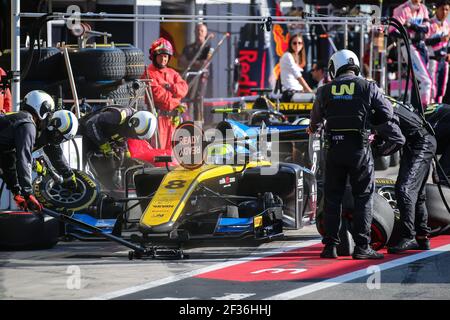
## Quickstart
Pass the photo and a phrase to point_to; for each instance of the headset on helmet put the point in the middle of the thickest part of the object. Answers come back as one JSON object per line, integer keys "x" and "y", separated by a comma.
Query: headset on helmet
{"x": 144, "y": 124}
{"x": 160, "y": 46}
{"x": 341, "y": 61}
{"x": 65, "y": 122}
{"x": 38, "y": 102}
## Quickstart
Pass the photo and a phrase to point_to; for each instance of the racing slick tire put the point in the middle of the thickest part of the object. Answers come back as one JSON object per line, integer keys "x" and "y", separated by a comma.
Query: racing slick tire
{"x": 53, "y": 196}
{"x": 21, "y": 230}
{"x": 438, "y": 216}
{"x": 382, "y": 163}
{"x": 382, "y": 224}
{"x": 395, "y": 159}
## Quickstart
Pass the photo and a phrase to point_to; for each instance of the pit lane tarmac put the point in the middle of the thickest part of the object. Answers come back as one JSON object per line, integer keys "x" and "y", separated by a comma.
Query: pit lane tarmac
{"x": 285, "y": 269}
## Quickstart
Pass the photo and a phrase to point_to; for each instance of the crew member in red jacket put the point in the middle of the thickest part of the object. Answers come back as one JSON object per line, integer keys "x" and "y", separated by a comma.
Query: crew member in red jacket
{"x": 5, "y": 95}
{"x": 168, "y": 88}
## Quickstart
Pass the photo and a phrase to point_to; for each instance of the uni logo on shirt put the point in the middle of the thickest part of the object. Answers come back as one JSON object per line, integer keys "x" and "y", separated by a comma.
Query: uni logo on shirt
{"x": 343, "y": 89}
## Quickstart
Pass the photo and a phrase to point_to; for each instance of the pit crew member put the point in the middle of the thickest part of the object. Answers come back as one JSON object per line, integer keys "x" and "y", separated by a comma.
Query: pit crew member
{"x": 349, "y": 104}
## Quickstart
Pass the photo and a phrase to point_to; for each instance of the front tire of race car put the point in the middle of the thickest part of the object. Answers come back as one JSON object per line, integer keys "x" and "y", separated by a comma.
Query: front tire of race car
{"x": 382, "y": 222}
{"x": 21, "y": 230}
{"x": 53, "y": 196}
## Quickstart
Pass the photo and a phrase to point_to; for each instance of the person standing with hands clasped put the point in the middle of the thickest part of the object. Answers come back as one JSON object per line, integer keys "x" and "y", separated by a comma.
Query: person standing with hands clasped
{"x": 168, "y": 88}
{"x": 347, "y": 106}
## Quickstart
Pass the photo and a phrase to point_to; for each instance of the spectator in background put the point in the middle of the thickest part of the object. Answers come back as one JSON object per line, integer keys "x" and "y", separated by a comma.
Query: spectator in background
{"x": 319, "y": 73}
{"x": 291, "y": 68}
{"x": 5, "y": 94}
{"x": 414, "y": 16}
{"x": 198, "y": 89}
{"x": 437, "y": 42}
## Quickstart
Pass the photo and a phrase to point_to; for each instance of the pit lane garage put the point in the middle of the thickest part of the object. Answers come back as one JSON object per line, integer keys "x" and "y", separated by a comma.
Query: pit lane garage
{"x": 214, "y": 201}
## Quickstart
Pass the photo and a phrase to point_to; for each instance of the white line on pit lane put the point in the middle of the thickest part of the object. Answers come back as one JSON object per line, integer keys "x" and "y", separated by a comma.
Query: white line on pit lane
{"x": 190, "y": 274}
{"x": 292, "y": 294}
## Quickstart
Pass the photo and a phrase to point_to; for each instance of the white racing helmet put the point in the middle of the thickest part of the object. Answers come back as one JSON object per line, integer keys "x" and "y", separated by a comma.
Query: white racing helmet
{"x": 143, "y": 124}
{"x": 341, "y": 61}
{"x": 65, "y": 122}
{"x": 38, "y": 102}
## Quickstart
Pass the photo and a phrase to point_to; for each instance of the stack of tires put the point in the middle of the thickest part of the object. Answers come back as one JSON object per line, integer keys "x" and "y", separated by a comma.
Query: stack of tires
{"x": 100, "y": 72}
{"x": 22, "y": 230}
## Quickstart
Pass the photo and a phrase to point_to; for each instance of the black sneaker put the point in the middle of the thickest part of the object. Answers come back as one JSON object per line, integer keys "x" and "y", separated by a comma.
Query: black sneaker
{"x": 423, "y": 244}
{"x": 329, "y": 252}
{"x": 403, "y": 245}
{"x": 363, "y": 253}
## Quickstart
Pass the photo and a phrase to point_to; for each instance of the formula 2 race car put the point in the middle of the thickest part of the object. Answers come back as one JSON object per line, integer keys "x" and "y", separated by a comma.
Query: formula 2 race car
{"x": 216, "y": 200}
{"x": 246, "y": 197}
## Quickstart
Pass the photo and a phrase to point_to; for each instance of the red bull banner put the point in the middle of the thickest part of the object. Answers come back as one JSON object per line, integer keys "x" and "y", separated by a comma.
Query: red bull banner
{"x": 259, "y": 51}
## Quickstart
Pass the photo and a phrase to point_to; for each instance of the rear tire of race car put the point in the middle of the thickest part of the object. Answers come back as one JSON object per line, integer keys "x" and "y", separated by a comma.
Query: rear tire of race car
{"x": 382, "y": 163}
{"x": 20, "y": 230}
{"x": 54, "y": 197}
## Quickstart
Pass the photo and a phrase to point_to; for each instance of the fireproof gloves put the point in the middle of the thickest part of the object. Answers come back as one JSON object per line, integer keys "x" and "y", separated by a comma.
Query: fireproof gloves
{"x": 106, "y": 150}
{"x": 39, "y": 168}
{"x": 176, "y": 119}
{"x": 20, "y": 201}
{"x": 33, "y": 203}
{"x": 70, "y": 183}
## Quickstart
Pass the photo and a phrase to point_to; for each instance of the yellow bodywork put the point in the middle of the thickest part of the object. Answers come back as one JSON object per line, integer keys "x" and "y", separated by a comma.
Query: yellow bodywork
{"x": 177, "y": 186}
{"x": 288, "y": 106}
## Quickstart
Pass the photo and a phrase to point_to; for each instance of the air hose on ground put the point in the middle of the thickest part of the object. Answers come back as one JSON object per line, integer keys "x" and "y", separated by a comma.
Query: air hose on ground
{"x": 400, "y": 28}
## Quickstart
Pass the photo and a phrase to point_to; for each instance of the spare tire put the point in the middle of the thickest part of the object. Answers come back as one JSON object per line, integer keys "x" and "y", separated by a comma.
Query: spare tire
{"x": 96, "y": 64}
{"x": 53, "y": 196}
{"x": 21, "y": 230}
{"x": 438, "y": 216}
{"x": 46, "y": 64}
{"x": 134, "y": 61}
{"x": 395, "y": 159}
{"x": 121, "y": 95}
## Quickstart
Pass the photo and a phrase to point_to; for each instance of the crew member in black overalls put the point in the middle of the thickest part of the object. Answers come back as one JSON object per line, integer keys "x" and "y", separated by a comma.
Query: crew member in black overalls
{"x": 28, "y": 130}
{"x": 417, "y": 155}
{"x": 347, "y": 106}
{"x": 105, "y": 133}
